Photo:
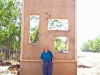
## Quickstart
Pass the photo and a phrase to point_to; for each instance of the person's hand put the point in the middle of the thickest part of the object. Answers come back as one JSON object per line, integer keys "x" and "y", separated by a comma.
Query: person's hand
{"x": 41, "y": 61}
{"x": 52, "y": 60}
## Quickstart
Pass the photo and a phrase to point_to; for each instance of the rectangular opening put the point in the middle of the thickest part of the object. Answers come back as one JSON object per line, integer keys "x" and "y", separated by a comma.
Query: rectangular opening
{"x": 61, "y": 45}
{"x": 57, "y": 24}
{"x": 34, "y": 29}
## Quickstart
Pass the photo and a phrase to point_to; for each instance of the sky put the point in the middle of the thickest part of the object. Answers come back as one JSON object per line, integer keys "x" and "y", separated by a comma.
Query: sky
{"x": 88, "y": 20}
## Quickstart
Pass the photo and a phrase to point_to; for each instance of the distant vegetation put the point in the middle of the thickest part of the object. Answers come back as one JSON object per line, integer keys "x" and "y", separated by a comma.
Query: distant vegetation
{"x": 91, "y": 45}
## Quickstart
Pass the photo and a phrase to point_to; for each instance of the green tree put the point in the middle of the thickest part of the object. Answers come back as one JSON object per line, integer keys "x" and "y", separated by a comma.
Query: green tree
{"x": 91, "y": 45}
{"x": 10, "y": 20}
{"x": 57, "y": 24}
{"x": 58, "y": 45}
{"x": 34, "y": 35}
{"x": 97, "y": 44}
{"x": 84, "y": 47}
{"x": 34, "y": 29}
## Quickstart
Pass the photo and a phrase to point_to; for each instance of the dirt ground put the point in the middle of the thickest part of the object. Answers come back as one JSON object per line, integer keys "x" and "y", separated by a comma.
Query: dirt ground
{"x": 88, "y": 63}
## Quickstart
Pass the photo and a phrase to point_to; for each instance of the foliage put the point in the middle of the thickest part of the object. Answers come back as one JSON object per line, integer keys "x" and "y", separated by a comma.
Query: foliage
{"x": 10, "y": 21}
{"x": 34, "y": 35}
{"x": 34, "y": 28}
{"x": 57, "y": 24}
{"x": 59, "y": 44}
{"x": 92, "y": 45}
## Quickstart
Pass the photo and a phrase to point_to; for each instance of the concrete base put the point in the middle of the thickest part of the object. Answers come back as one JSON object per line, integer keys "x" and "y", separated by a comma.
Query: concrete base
{"x": 59, "y": 68}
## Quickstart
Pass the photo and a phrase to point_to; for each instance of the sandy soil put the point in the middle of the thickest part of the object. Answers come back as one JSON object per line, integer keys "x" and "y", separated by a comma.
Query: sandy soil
{"x": 88, "y": 63}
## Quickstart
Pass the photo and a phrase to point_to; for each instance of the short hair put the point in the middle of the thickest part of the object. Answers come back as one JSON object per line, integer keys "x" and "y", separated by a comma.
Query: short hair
{"x": 45, "y": 47}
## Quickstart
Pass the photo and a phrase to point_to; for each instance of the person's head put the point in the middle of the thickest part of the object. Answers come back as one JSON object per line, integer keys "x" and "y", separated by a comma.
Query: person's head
{"x": 45, "y": 49}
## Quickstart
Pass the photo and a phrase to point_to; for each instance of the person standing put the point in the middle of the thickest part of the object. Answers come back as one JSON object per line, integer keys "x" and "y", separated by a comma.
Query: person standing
{"x": 47, "y": 58}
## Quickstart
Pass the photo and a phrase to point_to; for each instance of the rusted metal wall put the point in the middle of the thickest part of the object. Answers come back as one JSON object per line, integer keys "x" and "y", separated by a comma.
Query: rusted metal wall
{"x": 64, "y": 64}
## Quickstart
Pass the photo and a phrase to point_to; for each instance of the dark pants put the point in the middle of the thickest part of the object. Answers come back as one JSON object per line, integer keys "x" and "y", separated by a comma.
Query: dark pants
{"x": 47, "y": 68}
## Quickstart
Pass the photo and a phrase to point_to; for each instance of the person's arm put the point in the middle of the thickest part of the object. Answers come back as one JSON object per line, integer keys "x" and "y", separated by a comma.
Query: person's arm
{"x": 52, "y": 57}
{"x": 41, "y": 58}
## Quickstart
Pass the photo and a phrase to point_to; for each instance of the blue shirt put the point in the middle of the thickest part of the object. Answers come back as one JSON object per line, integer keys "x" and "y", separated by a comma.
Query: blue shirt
{"x": 47, "y": 56}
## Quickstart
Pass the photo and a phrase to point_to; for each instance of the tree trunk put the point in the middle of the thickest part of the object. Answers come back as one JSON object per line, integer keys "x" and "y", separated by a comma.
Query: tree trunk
{"x": 7, "y": 50}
